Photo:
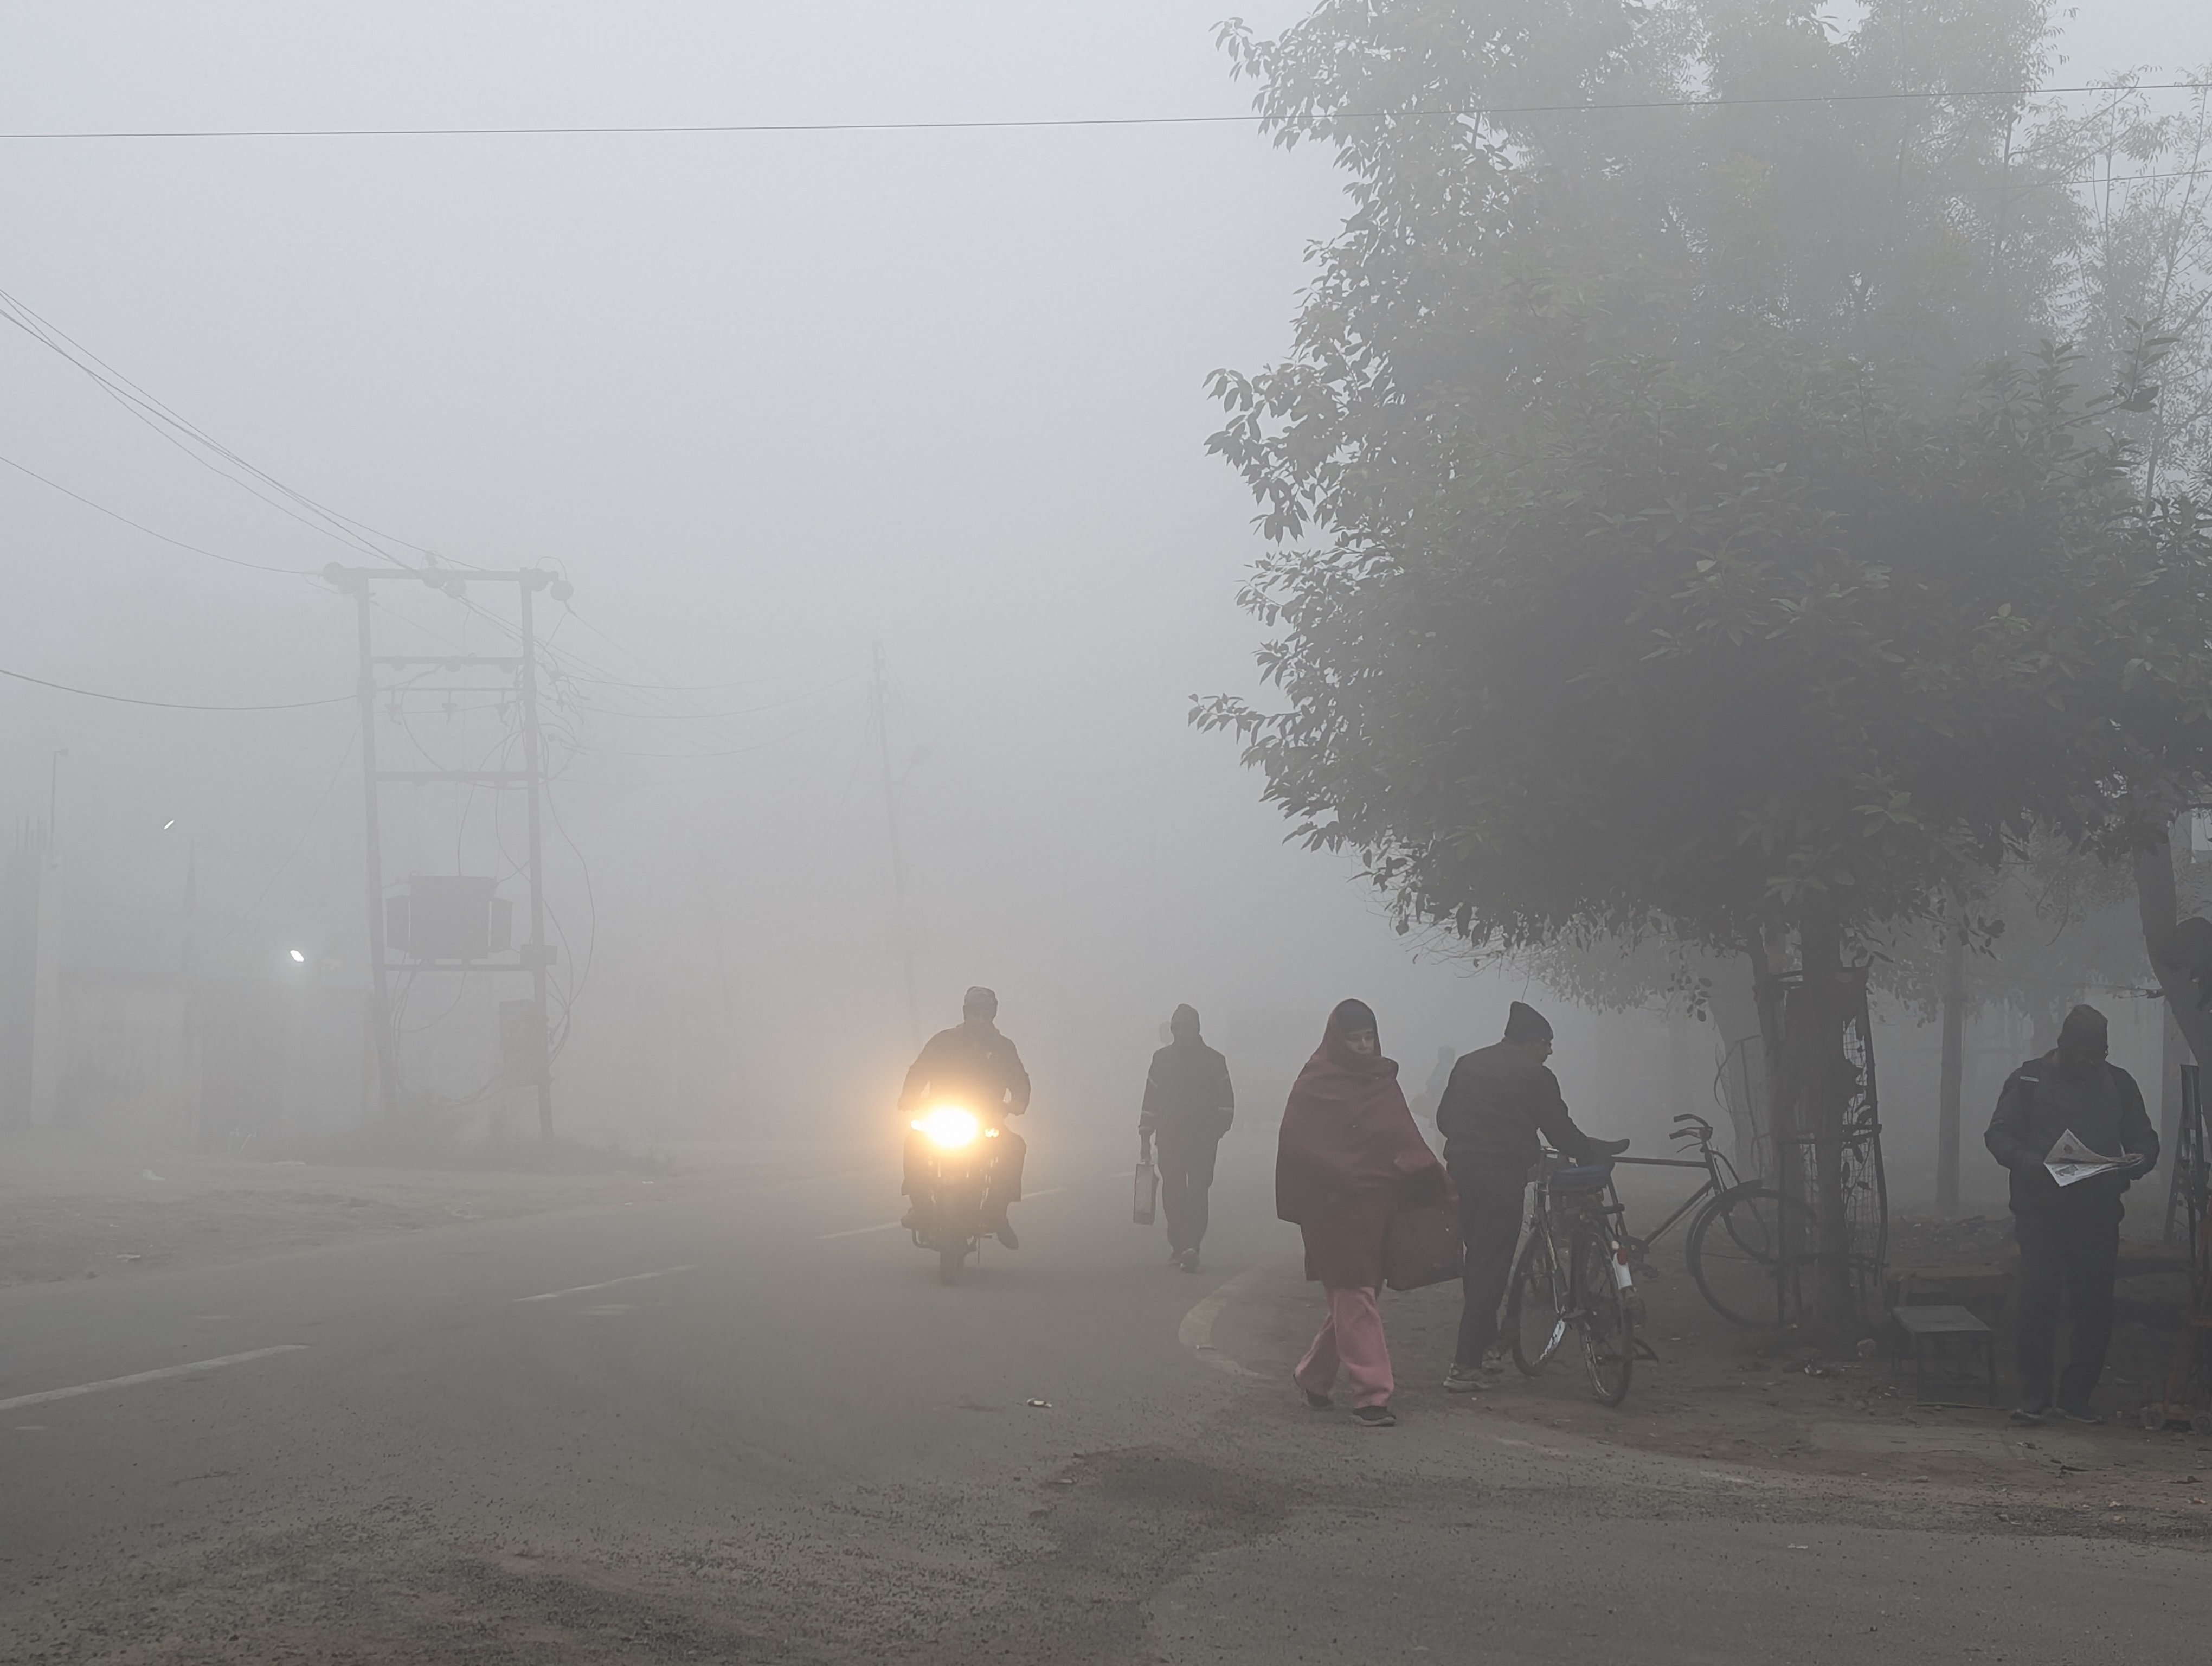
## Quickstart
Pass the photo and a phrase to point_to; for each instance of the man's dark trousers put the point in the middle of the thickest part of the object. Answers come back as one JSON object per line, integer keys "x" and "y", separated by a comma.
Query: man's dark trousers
{"x": 1186, "y": 1174}
{"x": 2073, "y": 1240}
{"x": 1490, "y": 1224}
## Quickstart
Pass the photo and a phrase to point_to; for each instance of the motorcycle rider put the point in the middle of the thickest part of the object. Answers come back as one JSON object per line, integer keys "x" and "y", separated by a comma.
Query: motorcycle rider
{"x": 973, "y": 1063}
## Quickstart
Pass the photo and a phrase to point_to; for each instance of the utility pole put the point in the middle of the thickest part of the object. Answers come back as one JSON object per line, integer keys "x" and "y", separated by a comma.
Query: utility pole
{"x": 533, "y": 762}
{"x": 879, "y": 698}
{"x": 535, "y": 955}
{"x": 387, "y": 1044}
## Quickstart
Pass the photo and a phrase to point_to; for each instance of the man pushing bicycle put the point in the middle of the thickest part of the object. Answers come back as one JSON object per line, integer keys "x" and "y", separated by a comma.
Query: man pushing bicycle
{"x": 1499, "y": 1100}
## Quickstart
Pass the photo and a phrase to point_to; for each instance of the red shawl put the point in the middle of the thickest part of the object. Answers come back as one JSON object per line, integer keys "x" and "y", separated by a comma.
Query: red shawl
{"x": 1346, "y": 1129}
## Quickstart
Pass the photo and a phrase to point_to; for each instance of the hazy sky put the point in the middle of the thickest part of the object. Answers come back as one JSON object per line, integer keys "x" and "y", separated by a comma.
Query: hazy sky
{"x": 766, "y": 399}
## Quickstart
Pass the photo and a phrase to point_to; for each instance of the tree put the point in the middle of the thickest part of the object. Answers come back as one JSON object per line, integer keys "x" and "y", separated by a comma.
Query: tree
{"x": 1680, "y": 571}
{"x": 2146, "y": 282}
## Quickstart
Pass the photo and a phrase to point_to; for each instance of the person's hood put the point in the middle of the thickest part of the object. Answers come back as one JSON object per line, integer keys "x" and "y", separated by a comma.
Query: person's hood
{"x": 1183, "y": 1023}
{"x": 1523, "y": 1023}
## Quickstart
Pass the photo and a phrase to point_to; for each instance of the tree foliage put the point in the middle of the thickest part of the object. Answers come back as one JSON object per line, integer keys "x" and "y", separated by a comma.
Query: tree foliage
{"x": 1663, "y": 542}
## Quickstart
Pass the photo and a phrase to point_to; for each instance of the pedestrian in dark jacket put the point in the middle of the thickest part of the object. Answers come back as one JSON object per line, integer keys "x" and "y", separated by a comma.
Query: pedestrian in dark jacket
{"x": 1188, "y": 1106}
{"x": 2069, "y": 1235}
{"x": 1499, "y": 1100}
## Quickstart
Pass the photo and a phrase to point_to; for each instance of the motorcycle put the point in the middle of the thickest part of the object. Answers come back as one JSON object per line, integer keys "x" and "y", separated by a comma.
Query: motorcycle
{"x": 956, "y": 1172}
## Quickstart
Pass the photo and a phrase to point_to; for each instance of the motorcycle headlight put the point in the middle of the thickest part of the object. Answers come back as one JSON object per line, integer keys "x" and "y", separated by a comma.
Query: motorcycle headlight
{"x": 949, "y": 1126}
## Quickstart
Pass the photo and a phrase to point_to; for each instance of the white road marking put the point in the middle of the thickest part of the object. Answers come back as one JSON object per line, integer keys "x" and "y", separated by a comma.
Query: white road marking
{"x": 607, "y": 1284}
{"x": 1196, "y": 1331}
{"x": 193, "y": 1369}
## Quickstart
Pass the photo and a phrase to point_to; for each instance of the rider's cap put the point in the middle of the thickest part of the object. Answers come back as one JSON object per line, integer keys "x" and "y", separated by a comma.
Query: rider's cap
{"x": 1525, "y": 1023}
{"x": 979, "y": 1000}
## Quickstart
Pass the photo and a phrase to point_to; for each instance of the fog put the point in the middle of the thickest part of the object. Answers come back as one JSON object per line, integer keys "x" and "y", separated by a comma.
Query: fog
{"x": 767, "y": 399}
{"x": 836, "y": 384}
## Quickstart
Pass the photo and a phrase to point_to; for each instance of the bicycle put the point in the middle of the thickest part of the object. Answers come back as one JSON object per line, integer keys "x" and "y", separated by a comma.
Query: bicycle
{"x": 1573, "y": 1274}
{"x": 1732, "y": 1240}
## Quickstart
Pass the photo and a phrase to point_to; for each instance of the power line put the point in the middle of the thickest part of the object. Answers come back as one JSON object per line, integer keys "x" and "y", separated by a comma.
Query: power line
{"x": 174, "y": 428}
{"x": 204, "y": 448}
{"x": 174, "y": 705}
{"x": 212, "y": 554}
{"x": 1043, "y": 123}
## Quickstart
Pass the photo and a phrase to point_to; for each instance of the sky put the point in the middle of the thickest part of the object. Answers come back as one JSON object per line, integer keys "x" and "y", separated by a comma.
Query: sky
{"x": 767, "y": 400}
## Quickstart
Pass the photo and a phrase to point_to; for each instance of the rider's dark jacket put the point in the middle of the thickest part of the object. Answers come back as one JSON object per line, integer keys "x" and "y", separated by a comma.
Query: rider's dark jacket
{"x": 1498, "y": 1101}
{"x": 971, "y": 1062}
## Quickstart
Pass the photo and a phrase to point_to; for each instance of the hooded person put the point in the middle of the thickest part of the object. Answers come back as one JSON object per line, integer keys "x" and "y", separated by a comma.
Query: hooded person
{"x": 1349, "y": 1156}
{"x": 1188, "y": 1106}
{"x": 1501, "y": 1105}
{"x": 2069, "y": 1235}
{"x": 976, "y": 1065}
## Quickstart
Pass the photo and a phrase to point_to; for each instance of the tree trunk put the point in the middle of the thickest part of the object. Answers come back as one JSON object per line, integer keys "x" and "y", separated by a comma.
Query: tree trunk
{"x": 1824, "y": 1093}
{"x": 2174, "y": 1053}
{"x": 2158, "y": 902}
{"x": 1743, "y": 1074}
{"x": 1955, "y": 1065}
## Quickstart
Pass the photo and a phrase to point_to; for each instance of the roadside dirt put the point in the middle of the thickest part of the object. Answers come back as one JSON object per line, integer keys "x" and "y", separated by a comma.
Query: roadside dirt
{"x": 1754, "y": 1397}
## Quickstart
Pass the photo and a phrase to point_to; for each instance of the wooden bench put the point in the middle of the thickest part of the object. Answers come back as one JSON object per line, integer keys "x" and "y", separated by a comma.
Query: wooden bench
{"x": 1983, "y": 1283}
{"x": 1928, "y": 1335}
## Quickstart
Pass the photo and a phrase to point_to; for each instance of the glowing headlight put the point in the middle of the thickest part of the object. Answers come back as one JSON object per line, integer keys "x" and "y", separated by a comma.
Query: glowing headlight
{"x": 950, "y": 1126}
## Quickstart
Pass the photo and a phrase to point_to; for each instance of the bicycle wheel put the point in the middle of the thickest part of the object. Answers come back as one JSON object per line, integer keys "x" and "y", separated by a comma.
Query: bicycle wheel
{"x": 1532, "y": 1317}
{"x": 1608, "y": 1331}
{"x": 1731, "y": 1253}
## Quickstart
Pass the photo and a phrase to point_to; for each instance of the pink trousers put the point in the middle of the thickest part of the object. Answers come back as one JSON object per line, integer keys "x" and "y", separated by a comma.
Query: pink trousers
{"x": 1351, "y": 1337}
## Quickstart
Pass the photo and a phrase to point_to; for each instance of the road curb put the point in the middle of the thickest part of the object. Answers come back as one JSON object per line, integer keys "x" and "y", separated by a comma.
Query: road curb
{"x": 1196, "y": 1331}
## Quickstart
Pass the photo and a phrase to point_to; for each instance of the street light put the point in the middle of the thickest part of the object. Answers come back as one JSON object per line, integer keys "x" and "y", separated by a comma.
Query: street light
{"x": 298, "y": 957}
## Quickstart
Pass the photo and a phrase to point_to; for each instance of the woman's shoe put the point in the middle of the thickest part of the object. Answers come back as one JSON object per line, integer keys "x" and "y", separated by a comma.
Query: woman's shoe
{"x": 1376, "y": 1417}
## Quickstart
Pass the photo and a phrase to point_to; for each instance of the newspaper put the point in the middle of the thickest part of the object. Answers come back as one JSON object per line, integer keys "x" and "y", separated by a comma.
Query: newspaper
{"x": 2071, "y": 1161}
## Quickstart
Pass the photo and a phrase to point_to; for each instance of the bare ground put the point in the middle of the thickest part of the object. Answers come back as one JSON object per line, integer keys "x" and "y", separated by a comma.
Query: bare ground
{"x": 1753, "y": 1397}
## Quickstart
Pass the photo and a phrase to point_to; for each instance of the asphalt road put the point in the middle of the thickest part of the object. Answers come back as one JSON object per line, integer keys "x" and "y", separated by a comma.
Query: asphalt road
{"x": 744, "y": 1423}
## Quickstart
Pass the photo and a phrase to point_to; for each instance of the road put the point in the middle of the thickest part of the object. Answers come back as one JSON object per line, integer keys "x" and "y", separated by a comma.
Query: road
{"x": 741, "y": 1422}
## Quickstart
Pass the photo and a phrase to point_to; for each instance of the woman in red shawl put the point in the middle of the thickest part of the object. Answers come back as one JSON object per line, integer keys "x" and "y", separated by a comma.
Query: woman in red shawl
{"x": 1350, "y": 1155}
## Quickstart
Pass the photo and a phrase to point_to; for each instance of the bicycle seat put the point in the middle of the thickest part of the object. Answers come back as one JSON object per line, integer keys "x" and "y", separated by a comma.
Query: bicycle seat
{"x": 1582, "y": 1177}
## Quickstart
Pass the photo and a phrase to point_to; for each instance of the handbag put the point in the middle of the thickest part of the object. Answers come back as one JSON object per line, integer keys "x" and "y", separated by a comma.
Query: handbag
{"x": 1421, "y": 1246}
{"x": 1147, "y": 1192}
